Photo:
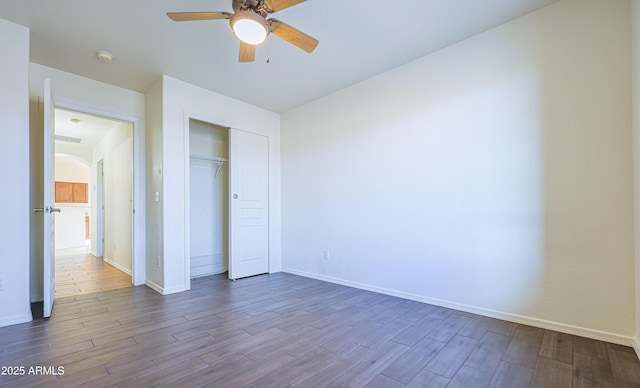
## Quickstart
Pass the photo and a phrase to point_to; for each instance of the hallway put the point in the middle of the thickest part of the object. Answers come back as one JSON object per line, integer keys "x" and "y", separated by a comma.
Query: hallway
{"x": 82, "y": 273}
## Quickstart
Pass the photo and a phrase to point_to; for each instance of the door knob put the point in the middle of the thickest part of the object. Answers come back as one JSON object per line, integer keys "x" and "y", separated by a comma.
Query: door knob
{"x": 235, "y": 196}
{"x": 47, "y": 209}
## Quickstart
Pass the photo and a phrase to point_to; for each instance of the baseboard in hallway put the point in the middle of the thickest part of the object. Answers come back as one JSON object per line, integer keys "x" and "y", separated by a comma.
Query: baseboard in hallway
{"x": 79, "y": 250}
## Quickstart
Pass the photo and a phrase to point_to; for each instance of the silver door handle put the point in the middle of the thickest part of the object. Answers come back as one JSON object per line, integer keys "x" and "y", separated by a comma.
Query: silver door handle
{"x": 235, "y": 196}
{"x": 47, "y": 210}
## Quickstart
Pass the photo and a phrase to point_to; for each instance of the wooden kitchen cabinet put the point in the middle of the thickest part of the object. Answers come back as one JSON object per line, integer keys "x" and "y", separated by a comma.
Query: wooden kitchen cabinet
{"x": 71, "y": 192}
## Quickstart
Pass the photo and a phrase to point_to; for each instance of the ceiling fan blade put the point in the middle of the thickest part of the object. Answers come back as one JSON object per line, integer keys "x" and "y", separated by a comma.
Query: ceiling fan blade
{"x": 247, "y": 52}
{"x": 293, "y": 36}
{"x": 278, "y": 5}
{"x": 191, "y": 16}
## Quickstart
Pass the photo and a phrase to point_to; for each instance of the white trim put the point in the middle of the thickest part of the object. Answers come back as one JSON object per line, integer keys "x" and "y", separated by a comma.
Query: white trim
{"x": 636, "y": 346}
{"x": 173, "y": 290}
{"x": 526, "y": 320}
{"x": 116, "y": 265}
{"x": 154, "y": 287}
{"x": 186, "y": 132}
{"x": 216, "y": 271}
{"x": 99, "y": 208}
{"x": 162, "y": 290}
{"x": 16, "y": 319}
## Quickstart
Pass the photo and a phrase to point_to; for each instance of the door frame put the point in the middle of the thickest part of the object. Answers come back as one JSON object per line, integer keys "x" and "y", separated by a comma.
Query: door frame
{"x": 138, "y": 234}
{"x": 187, "y": 192}
{"x": 100, "y": 209}
{"x": 187, "y": 116}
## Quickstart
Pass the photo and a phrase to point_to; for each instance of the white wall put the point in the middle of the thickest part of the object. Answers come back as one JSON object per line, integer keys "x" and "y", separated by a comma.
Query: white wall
{"x": 635, "y": 20}
{"x": 181, "y": 101}
{"x": 493, "y": 176}
{"x": 69, "y": 169}
{"x": 154, "y": 243}
{"x": 70, "y": 222}
{"x": 70, "y": 227}
{"x": 81, "y": 94}
{"x": 14, "y": 172}
{"x": 208, "y": 140}
{"x": 116, "y": 151}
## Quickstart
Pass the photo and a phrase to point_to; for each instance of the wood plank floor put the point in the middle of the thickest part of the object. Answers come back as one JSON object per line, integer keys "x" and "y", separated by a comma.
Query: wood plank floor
{"x": 82, "y": 273}
{"x": 283, "y": 330}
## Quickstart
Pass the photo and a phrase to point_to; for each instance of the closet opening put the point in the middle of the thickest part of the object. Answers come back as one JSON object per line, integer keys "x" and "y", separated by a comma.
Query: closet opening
{"x": 208, "y": 198}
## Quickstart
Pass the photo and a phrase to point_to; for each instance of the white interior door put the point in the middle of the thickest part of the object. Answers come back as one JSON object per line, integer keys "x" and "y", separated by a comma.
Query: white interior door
{"x": 49, "y": 208}
{"x": 249, "y": 214}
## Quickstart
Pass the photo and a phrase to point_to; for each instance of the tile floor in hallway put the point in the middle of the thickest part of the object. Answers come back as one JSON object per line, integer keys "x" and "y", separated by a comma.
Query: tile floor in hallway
{"x": 78, "y": 272}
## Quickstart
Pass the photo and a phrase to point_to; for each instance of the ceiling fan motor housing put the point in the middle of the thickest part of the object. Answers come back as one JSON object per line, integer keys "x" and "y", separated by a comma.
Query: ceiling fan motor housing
{"x": 257, "y": 6}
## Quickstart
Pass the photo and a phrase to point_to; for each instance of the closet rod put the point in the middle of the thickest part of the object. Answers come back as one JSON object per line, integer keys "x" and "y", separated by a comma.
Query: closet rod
{"x": 219, "y": 161}
{"x": 209, "y": 158}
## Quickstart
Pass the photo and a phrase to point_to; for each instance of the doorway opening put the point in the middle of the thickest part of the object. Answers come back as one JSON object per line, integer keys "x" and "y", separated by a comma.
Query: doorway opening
{"x": 94, "y": 230}
{"x": 208, "y": 199}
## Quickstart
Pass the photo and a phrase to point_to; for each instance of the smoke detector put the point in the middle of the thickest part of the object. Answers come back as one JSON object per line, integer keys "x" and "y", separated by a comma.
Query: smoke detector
{"x": 104, "y": 56}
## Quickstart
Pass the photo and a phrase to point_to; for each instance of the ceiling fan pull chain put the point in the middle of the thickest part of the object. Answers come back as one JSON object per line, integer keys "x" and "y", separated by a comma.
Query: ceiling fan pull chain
{"x": 268, "y": 40}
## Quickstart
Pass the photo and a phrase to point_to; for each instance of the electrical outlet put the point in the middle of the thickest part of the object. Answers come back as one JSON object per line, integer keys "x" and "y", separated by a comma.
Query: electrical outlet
{"x": 2, "y": 283}
{"x": 326, "y": 255}
{"x": 158, "y": 261}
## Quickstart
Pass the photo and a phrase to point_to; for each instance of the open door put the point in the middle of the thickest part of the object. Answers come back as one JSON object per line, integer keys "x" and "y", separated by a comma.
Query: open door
{"x": 249, "y": 215}
{"x": 48, "y": 208}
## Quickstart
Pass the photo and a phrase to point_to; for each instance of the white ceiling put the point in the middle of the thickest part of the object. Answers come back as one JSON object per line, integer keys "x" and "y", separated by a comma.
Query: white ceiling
{"x": 358, "y": 39}
{"x": 91, "y": 129}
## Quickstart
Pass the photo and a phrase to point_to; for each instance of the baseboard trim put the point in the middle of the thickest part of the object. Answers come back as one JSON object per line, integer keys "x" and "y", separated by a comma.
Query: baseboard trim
{"x": 216, "y": 271}
{"x": 16, "y": 319}
{"x": 154, "y": 287}
{"x": 516, "y": 318}
{"x": 161, "y": 290}
{"x": 116, "y": 265}
{"x": 636, "y": 346}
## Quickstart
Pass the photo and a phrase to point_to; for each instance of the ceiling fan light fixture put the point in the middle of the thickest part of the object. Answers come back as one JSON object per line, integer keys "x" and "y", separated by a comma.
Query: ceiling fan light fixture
{"x": 249, "y": 27}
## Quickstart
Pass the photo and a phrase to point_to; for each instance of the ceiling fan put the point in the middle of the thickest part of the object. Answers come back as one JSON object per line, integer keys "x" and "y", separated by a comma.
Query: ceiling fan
{"x": 250, "y": 24}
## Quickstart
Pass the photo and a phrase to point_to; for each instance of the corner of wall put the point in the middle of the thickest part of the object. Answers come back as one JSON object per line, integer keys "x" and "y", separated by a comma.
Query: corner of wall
{"x": 635, "y": 70}
{"x": 153, "y": 211}
{"x": 15, "y": 165}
